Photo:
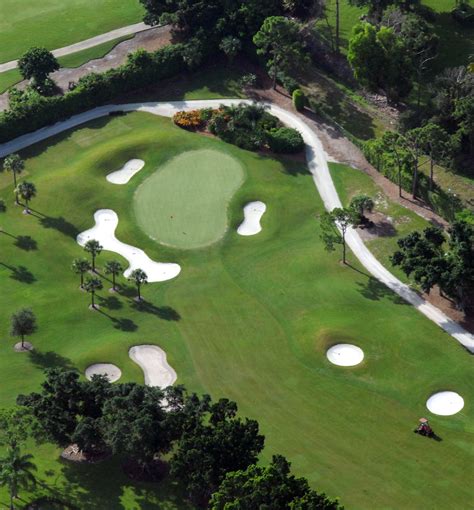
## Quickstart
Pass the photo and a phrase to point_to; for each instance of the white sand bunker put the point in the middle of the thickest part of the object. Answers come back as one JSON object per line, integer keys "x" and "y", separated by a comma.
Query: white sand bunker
{"x": 112, "y": 372}
{"x": 106, "y": 222}
{"x": 128, "y": 170}
{"x": 345, "y": 355}
{"x": 253, "y": 213}
{"x": 445, "y": 403}
{"x": 152, "y": 361}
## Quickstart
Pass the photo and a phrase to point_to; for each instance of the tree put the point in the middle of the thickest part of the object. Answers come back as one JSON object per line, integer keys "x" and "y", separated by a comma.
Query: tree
{"x": 213, "y": 446}
{"x": 424, "y": 255}
{"x": 464, "y": 114}
{"x": 37, "y": 64}
{"x": 23, "y": 323}
{"x": 396, "y": 144}
{"x": 80, "y": 267}
{"x": 334, "y": 226}
{"x": 268, "y": 487}
{"x": 413, "y": 142}
{"x": 14, "y": 427}
{"x": 138, "y": 277}
{"x": 114, "y": 268}
{"x": 93, "y": 285}
{"x": 27, "y": 191}
{"x": 231, "y": 46}
{"x": 360, "y": 204}
{"x": 16, "y": 471}
{"x": 280, "y": 42}
{"x": 94, "y": 248}
{"x": 14, "y": 164}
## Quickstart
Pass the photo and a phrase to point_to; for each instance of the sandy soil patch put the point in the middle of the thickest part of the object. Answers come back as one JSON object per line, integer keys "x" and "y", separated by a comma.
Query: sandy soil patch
{"x": 345, "y": 355}
{"x": 112, "y": 372}
{"x": 253, "y": 213}
{"x": 106, "y": 222}
{"x": 128, "y": 170}
{"x": 445, "y": 403}
{"x": 152, "y": 360}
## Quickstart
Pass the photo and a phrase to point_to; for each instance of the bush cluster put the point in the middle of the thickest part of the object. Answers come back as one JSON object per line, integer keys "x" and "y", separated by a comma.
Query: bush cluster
{"x": 189, "y": 120}
{"x": 285, "y": 140}
{"x": 33, "y": 111}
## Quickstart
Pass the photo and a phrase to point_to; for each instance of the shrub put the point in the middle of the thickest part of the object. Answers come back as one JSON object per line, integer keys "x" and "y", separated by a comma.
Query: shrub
{"x": 3, "y": 207}
{"x": 285, "y": 140}
{"x": 188, "y": 120}
{"x": 298, "y": 100}
{"x": 289, "y": 83}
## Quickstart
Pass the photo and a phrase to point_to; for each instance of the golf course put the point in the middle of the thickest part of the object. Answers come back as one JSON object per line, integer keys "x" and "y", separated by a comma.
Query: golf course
{"x": 248, "y": 317}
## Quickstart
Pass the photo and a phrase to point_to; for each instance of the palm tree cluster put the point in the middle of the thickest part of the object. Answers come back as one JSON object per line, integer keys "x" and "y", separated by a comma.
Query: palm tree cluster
{"x": 26, "y": 190}
{"x": 93, "y": 283}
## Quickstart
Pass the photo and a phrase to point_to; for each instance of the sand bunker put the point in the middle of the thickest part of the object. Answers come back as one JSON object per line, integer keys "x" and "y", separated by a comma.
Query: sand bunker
{"x": 128, "y": 170}
{"x": 106, "y": 222}
{"x": 345, "y": 355}
{"x": 112, "y": 372}
{"x": 152, "y": 360}
{"x": 445, "y": 403}
{"x": 253, "y": 213}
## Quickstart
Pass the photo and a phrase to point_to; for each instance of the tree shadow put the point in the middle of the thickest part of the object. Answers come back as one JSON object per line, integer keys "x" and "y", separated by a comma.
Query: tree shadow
{"x": 382, "y": 228}
{"x": 111, "y": 303}
{"x": 376, "y": 291}
{"x": 26, "y": 243}
{"x": 50, "y": 359}
{"x": 61, "y": 225}
{"x": 166, "y": 313}
{"x": 121, "y": 324}
{"x": 20, "y": 274}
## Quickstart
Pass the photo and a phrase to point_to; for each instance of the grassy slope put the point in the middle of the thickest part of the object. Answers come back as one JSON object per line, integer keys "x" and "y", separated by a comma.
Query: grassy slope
{"x": 184, "y": 204}
{"x": 257, "y": 315}
{"x": 54, "y": 24}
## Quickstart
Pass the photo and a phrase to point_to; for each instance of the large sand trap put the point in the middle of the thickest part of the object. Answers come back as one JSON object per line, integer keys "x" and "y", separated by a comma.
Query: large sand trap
{"x": 128, "y": 170}
{"x": 106, "y": 222}
{"x": 345, "y": 355}
{"x": 253, "y": 213}
{"x": 445, "y": 403}
{"x": 152, "y": 361}
{"x": 112, "y": 372}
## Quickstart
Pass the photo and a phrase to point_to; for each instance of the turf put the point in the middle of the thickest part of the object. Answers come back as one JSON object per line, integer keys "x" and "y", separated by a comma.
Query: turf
{"x": 54, "y": 23}
{"x": 184, "y": 203}
{"x": 253, "y": 319}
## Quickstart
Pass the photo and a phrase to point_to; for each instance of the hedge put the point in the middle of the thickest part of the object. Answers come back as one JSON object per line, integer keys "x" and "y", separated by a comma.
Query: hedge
{"x": 298, "y": 100}
{"x": 285, "y": 140}
{"x": 95, "y": 89}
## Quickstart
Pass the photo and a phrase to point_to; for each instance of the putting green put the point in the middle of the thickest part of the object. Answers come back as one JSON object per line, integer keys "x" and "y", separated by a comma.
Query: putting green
{"x": 184, "y": 203}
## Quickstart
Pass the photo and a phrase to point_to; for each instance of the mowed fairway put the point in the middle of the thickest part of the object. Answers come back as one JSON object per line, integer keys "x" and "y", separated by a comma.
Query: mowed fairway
{"x": 252, "y": 319}
{"x": 58, "y": 23}
{"x": 184, "y": 203}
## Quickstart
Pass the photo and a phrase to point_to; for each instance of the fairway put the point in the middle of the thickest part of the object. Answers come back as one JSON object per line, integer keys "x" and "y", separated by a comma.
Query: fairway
{"x": 55, "y": 23}
{"x": 247, "y": 318}
{"x": 184, "y": 203}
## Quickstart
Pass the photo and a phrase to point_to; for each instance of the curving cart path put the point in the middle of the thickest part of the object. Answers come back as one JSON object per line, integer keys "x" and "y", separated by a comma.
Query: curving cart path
{"x": 318, "y": 166}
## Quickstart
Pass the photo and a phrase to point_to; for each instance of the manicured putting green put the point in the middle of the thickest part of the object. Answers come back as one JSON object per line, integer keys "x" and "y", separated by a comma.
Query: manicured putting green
{"x": 184, "y": 203}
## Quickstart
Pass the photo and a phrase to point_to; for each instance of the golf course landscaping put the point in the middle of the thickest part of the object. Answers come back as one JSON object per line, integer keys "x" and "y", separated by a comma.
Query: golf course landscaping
{"x": 248, "y": 317}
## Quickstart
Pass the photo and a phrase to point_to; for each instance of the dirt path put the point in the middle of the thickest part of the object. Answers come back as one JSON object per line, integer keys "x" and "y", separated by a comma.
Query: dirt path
{"x": 150, "y": 40}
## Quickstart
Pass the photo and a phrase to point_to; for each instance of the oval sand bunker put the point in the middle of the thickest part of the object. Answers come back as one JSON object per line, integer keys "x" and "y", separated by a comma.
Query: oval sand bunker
{"x": 112, "y": 372}
{"x": 253, "y": 213}
{"x": 152, "y": 360}
{"x": 345, "y": 355}
{"x": 445, "y": 403}
{"x": 128, "y": 170}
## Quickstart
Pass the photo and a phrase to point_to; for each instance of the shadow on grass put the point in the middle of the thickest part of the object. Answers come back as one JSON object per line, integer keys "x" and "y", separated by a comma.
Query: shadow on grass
{"x": 121, "y": 324}
{"x": 50, "y": 359}
{"x": 26, "y": 243}
{"x": 20, "y": 273}
{"x": 111, "y": 303}
{"x": 166, "y": 313}
{"x": 376, "y": 291}
{"x": 60, "y": 223}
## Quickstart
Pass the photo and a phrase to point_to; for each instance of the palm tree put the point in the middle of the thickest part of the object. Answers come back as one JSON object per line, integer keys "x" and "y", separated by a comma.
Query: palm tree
{"x": 16, "y": 471}
{"x": 14, "y": 164}
{"x": 92, "y": 286}
{"x": 114, "y": 268}
{"x": 139, "y": 277}
{"x": 27, "y": 191}
{"x": 94, "y": 248}
{"x": 81, "y": 266}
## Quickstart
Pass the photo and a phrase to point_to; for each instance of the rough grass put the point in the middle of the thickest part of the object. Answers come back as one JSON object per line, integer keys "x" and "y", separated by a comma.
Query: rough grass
{"x": 256, "y": 316}
{"x": 55, "y": 23}
{"x": 184, "y": 204}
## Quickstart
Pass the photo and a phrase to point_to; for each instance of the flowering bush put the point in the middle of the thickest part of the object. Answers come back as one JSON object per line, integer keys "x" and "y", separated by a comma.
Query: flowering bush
{"x": 188, "y": 120}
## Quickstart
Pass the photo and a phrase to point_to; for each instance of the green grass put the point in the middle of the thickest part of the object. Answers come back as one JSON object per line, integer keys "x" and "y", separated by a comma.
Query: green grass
{"x": 184, "y": 203}
{"x": 99, "y": 51}
{"x": 8, "y": 79}
{"x": 256, "y": 317}
{"x": 54, "y": 23}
